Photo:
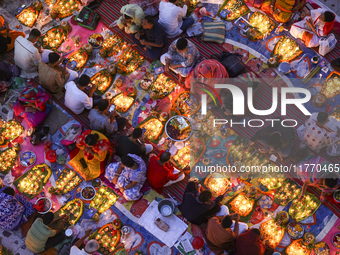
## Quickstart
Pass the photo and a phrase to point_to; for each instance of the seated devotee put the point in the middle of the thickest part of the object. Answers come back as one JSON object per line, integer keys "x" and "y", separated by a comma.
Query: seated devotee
{"x": 131, "y": 19}
{"x": 52, "y": 76}
{"x": 250, "y": 243}
{"x": 173, "y": 18}
{"x": 161, "y": 172}
{"x": 197, "y": 207}
{"x": 181, "y": 57}
{"x": 41, "y": 236}
{"x": 102, "y": 120}
{"x": 90, "y": 247}
{"x": 282, "y": 9}
{"x": 27, "y": 55}
{"x": 7, "y": 36}
{"x": 152, "y": 38}
{"x": 11, "y": 210}
{"x": 316, "y": 134}
{"x": 91, "y": 155}
{"x": 133, "y": 144}
{"x": 313, "y": 27}
{"x": 128, "y": 176}
{"x": 8, "y": 71}
{"x": 75, "y": 97}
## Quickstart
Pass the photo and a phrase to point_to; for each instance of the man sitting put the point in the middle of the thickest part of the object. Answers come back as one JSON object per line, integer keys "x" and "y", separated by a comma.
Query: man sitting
{"x": 102, "y": 120}
{"x": 75, "y": 97}
{"x": 173, "y": 19}
{"x": 90, "y": 247}
{"x": 52, "y": 76}
{"x": 161, "y": 173}
{"x": 250, "y": 243}
{"x": 131, "y": 19}
{"x": 152, "y": 38}
{"x": 311, "y": 28}
{"x": 181, "y": 57}
{"x": 41, "y": 237}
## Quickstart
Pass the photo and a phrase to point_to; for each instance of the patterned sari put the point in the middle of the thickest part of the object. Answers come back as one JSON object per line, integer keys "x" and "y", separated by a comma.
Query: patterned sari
{"x": 12, "y": 33}
{"x": 11, "y": 212}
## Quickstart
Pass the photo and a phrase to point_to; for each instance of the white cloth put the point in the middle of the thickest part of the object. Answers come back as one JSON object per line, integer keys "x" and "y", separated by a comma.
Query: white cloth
{"x": 148, "y": 148}
{"x": 76, "y": 251}
{"x": 73, "y": 75}
{"x": 242, "y": 227}
{"x": 180, "y": 178}
{"x": 171, "y": 18}
{"x": 75, "y": 99}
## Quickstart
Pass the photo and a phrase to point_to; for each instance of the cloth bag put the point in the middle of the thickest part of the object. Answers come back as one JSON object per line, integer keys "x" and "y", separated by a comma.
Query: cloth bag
{"x": 327, "y": 44}
{"x": 232, "y": 63}
{"x": 214, "y": 32}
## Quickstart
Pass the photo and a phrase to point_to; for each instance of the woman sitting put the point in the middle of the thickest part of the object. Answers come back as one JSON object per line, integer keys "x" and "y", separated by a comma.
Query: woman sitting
{"x": 7, "y": 33}
{"x": 92, "y": 154}
{"x": 128, "y": 176}
{"x": 282, "y": 9}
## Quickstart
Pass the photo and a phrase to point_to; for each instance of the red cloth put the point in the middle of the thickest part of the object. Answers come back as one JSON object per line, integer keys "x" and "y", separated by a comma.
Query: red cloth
{"x": 249, "y": 243}
{"x": 159, "y": 175}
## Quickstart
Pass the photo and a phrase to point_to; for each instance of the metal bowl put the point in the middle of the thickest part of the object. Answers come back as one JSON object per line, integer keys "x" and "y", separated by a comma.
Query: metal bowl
{"x": 336, "y": 196}
{"x": 166, "y": 207}
{"x": 47, "y": 208}
{"x": 284, "y": 67}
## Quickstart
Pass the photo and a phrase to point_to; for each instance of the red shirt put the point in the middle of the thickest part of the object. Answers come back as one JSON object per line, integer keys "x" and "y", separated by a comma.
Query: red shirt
{"x": 159, "y": 175}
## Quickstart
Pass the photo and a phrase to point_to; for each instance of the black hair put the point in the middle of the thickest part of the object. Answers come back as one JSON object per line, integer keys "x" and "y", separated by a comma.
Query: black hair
{"x": 84, "y": 80}
{"x": 127, "y": 17}
{"x": 165, "y": 156}
{"x": 181, "y": 43}
{"x": 322, "y": 117}
{"x": 172, "y": 1}
{"x": 128, "y": 161}
{"x": 121, "y": 123}
{"x": 35, "y": 33}
{"x": 48, "y": 218}
{"x": 150, "y": 19}
{"x": 53, "y": 57}
{"x": 205, "y": 196}
{"x": 226, "y": 222}
{"x": 91, "y": 139}
{"x": 274, "y": 139}
{"x": 256, "y": 231}
{"x": 103, "y": 104}
{"x": 331, "y": 182}
{"x": 9, "y": 191}
{"x": 137, "y": 133}
{"x": 329, "y": 16}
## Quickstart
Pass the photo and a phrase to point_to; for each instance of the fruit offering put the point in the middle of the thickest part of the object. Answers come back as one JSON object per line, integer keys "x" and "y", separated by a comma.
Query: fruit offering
{"x": 205, "y": 124}
{"x": 53, "y": 38}
{"x": 272, "y": 183}
{"x": 108, "y": 237}
{"x": 147, "y": 81}
{"x": 287, "y": 192}
{"x": 67, "y": 181}
{"x": 295, "y": 230}
{"x": 104, "y": 199}
{"x": 261, "y": 25}
{"x": 129, "y": 61}
{"x": 122, "y": 102}
{"x": 96, "y": 40}
{"x": 102, "y": 79}
{"x": 65, "y": 8}
{"x": 233, "y": 9}
{"x": 331, "y": 86}
{"x": 302, "y": 209}
{"x": 287, "y": 49}
{"x": 7, "y": 160}
{"x": 336, "y": 240}
{"x": 113, "y": 45}
{"x": 271, "y": 231}
{"x": 74, "y": 209}
{"x": 80, "y": 57}
{"x": 184, "y": 104}
{"x": 11, "y": 130}
{"x": 297, "y": 248}
{"x": 88, "y": 193}
{"x": 178, "y": 128}
{"x": 162, "y": 87}
{"x": 217, "y": 184}
{"x": 31, "y": 183}
{"x": 242, "y": 204}
{"x": 154, "y": 128}
{"x": 29, "y": 15}
{"x": 321, "y": 248}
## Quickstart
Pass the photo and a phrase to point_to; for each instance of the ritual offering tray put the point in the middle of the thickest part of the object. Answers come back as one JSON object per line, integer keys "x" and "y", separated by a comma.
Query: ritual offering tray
{"x": 64, "y": 8}
{"x": 233, "y": 9}
{"x": 88, "y": 193}
{"x": 182, "y": 157}
{"x": 43, "y": 205}
{"x": 205, "y": 124}
{"x": 185, "y": 104}
{"x": 112, "y": 45}
{"x": 67, "y": 181}
{"x": 261, "y": 25}
{"x": 302, "y": 209}
{"x": 108, "y": 238}
{"x": 154, "y": 128}
{"x": 29, "y": 15}
{"x": 104, "y": 199}
{"x": 74, "y": 209}
{"x": 147, "y": 81}
{"x": 298, "y": 248}
{"x": 189, "y": 155}
{"x": 162, "y": 87}
{"x": 96, "y": 40}
{"x": 287, "y": 49}
{"x": 295, "y": 230}
{"x": 27, "y": 158}
{"x": 31, "y": 183}
{"x": 321, "y": 248}
{"x": 271, "y": 231}
{"x": 11, "y": 130}
{"x": 123, "y": 102}
{"x": 266, "y": 202}
{"x": 331, "y": 86}
{"x": 272, "y": 183}
{"x": 242, "y": 204}
{"x": 178, "y": 128}
{"x": 217, "y": 184}
{"x": 287, "y": 192}
{"x": 129, "y": 61}
{"x": 336, "y": 240}
{"x": 102, "y": 80}
{"x": 53, "y": 38}
{"x": 7, "y": 160}
{"x": 80, "y": 57}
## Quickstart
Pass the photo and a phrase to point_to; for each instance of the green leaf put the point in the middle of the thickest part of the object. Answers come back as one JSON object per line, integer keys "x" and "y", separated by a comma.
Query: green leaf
{"x": 92, "y": 64}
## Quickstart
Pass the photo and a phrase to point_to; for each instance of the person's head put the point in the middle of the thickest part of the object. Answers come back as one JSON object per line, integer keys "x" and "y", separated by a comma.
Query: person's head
{"x": 137, "y": 133}
{"x": 91, "y": 246}
{"x": 205, "y": 196}
{"x": 128, "y": 162}
{"x": 173, "y": 1}
{"x": 226, "y": 222}
{"x": 165, "y": 157}
{"x": 322, "y": 118}
{"x": 331, "y": 182}
{"x": 148, "y": 22}
{"x": 121, "y": 123}
{"x": 91, "y": 139}
{"x": 181, "y": 44}
{"x": 256, "y": 231}
{"x": 48, "y": 218}
{"x": 34, "y": 35}
{"x": 274, "y": 139}
{"x": 83, "y": 81}
{"x": 53, "y": 58}
{"x": 9, "y": 191}
{"x": 327, "y": 16}
{"x": 103, "y": 105}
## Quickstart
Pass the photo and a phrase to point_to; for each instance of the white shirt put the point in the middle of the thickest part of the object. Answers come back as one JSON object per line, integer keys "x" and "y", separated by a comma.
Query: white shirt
{"x": 27, "y": 57}
{"x": 75, "y": 99}
{"x": 76, "y": 251}
{"x": 171, "y": 18}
